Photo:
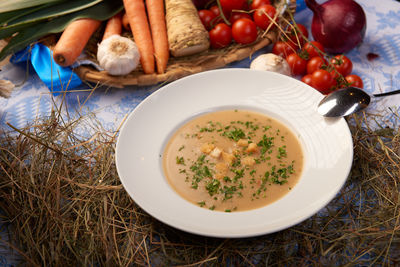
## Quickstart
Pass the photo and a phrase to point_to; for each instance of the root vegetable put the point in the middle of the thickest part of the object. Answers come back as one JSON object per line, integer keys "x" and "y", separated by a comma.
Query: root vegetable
{"x": 125, "y": 22}
{"x": 73, "y": 40}
{"x": 186, "y": 33}
{"x": 113, "y": 26}
{"x": 136, "y": 12}
{"x": 155, "y": 10}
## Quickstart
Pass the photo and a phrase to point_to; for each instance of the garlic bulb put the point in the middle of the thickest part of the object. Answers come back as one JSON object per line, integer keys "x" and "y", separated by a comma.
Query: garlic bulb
{"x": 118, "y": 55}
{"x": 271, "y": 62}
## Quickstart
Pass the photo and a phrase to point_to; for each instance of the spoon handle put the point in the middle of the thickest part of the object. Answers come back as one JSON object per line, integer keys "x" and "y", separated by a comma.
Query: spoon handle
{"x": 387, "y": 93}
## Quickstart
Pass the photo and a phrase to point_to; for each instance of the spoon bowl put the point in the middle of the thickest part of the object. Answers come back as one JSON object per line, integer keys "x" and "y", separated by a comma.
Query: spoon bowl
{"x": 346, "y": 101}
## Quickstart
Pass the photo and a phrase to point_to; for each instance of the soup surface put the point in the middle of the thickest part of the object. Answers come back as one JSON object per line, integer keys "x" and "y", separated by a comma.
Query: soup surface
{"x": 233, "y": 160}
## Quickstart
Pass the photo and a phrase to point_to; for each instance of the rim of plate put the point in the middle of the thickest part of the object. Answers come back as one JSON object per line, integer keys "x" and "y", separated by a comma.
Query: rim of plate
{"x": 327, "y": 146}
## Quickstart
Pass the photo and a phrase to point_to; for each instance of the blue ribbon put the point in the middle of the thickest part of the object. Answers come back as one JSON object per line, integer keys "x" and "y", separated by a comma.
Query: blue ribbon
{"x": 56, "y": 77}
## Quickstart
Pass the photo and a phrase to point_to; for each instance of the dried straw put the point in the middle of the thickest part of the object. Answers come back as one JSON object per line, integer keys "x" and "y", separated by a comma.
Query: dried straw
{"x": 64, "y": 205}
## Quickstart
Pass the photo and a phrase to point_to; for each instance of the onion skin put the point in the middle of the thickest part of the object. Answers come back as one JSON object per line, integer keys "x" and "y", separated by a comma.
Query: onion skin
{"x": 339, "y": 25}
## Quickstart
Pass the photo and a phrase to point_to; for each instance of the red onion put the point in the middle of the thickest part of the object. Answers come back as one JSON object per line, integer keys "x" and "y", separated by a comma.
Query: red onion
{"x": 339, "y": 25}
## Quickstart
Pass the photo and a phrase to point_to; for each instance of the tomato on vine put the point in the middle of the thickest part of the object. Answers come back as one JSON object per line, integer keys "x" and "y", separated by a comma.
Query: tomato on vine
{"x": 229, "y": 5}
{"x": 238, "y": 15}
{"x": 307, "y": 79}
{"x": 244, "y": 31}
{"x": 314, "y": 64}
{"x": 322, "y": 80}
{"x": 342, "y": 64}
{"x": 354, "y": 80}
{"x": 264, "y": 16}
{"x": 296, "y": 63}
{"x": 216, "y": 11}
{"x": 312, "y": 48}
{"x": 283, "y": 49}
{"x": 298, "y": 35}
{"x": 207, "y": 17}
{"x": 257, "y": 3}
{"x": 220, "y": 36}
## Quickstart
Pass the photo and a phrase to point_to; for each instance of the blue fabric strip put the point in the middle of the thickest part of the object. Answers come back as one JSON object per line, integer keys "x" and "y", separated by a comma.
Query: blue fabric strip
{"x": 56, "y": 78}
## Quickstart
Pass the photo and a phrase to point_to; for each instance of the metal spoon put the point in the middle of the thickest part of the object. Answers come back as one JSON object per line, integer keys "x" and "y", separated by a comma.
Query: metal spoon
{"x": 346, "y": 101}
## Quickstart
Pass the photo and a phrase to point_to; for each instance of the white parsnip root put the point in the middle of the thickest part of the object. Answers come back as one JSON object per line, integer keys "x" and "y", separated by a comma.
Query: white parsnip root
{"x": 186, "y": 33}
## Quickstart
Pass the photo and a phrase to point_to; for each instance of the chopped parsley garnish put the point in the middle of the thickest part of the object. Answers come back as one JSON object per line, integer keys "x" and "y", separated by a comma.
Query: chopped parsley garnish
{"x": 213, "y": 186}
{"x": 266, "y": 143}
{"x": 282, "y": 152}
{"x": 235, "y": 134}
{"x": 180, "y": 160}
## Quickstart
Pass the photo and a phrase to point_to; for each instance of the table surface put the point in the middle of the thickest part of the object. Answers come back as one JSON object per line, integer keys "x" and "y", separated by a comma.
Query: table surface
{"x": 32, "y": 98}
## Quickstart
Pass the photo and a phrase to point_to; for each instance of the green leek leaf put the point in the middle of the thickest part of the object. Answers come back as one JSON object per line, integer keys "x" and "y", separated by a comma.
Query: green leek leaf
{"x": 12, "y": 5}
{"x": 12, "y": 15}
{"x": 101, "y": 11}
{"x": 45, "y": 13}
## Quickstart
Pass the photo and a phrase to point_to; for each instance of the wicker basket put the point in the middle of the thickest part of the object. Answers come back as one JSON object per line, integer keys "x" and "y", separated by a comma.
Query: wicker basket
{"x": 183, "y": 66}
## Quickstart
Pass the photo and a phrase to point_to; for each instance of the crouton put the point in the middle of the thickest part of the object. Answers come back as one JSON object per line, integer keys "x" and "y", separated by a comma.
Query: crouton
{"x": 216, "y": 153}
{"x": 252, "y": 147}
{"x": 207, "y": 148}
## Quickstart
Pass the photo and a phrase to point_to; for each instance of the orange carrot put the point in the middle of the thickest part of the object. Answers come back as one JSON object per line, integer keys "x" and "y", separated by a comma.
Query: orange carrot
{"x": 73, "y": 40}
{"x": 125, "y": 22}
{"x": 113, "y": 26}
{"x": 140, "y": 28}
{"x": 155, "y": 10}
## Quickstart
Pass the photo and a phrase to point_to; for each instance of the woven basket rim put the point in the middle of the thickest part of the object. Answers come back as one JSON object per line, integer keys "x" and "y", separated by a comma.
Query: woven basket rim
{"x": 184, "y": 66}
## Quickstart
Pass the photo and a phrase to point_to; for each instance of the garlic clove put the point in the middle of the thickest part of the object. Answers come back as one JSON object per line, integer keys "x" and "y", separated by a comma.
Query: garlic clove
{"x": 271, "y": 62}
{"x": 118, "y": 55}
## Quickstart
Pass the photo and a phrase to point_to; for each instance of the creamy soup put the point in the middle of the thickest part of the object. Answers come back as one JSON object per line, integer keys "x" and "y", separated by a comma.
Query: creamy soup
{"x": 233, "y": 160}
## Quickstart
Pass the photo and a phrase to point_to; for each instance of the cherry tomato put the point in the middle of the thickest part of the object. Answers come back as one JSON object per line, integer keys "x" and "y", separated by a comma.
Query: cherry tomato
{"x": 307, "y": 79}
{"x": 297, "y": 64}
{"x": 208, "y": 18}
{"x": 220, "y": 36}
{"x": 342, "y": 64}
{"x": 244, "y": 31}
{"x": 309, "y": 47}
{"x": 354, "y": 80}
{"x": 298, "y": 35}
{"x": 238, "y": 15}
{"x": 230, "y": 5}
{"x": 264, "y": 15}
{"x": 314, "y": 64}
{"x": 322, "y": 80}
{"x": 215, "y": 10}
{"x": 283, "y": 49}
{"x": 257, "y": 3}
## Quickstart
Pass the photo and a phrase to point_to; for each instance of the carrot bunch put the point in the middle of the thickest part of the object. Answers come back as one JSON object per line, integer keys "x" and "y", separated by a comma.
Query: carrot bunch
{"x": 148, "y": 28}
{"x": 150, "y": 34}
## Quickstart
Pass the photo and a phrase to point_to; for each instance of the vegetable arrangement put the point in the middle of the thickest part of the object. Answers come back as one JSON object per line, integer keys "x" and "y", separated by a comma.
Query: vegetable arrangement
{"x": 25, "y": 22}
{"x": 309, "y": 61}
{"x": 238, "y": 21}
{"x": 159, "y": 28}
{"x": 155, "y": 30}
